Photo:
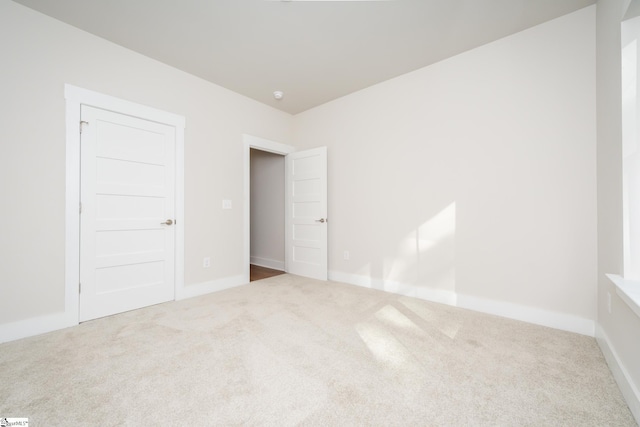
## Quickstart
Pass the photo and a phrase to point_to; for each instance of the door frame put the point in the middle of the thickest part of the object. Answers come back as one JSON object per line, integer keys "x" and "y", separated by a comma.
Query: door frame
{"x": 262, "y": 144}
{"x": 75, "y": 97}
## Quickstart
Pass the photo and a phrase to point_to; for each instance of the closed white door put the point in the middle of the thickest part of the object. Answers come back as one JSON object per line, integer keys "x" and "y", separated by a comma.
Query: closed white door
{"x": 127, "y": 239}
{"x": 306, "y": 233}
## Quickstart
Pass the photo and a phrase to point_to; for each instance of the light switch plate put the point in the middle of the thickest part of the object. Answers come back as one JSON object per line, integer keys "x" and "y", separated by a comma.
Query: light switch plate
{"x": 226, "y": 204}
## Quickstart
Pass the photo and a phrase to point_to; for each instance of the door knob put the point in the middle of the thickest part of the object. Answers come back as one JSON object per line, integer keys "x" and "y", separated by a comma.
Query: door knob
{"x": 167, "y": 222}
{"x": 320, "y": 220}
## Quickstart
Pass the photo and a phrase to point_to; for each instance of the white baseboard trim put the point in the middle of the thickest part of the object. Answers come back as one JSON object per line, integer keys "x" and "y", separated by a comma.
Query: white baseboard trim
{"x": 536, "y": 316}
{"x": 52, "y": 322}
{"x": 35, "y": 326}
{"x": 268, "y": 263}
{"x": 628, "y": 388}
{"x": 42, "y": 324}
{"x": 210, "y": 286}
{"x": 435, "y": 295}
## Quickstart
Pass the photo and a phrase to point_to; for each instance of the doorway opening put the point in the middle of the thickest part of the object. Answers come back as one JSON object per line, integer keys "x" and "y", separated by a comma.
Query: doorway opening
{"x": 267, "y": 213}
{"x": 305, "y": 218}
{"x": 270, "y": 152}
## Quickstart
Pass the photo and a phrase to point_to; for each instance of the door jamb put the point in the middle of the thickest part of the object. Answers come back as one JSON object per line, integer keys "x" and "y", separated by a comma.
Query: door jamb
{"x": 262, "y": 144}
{"x": 76, "y": 97}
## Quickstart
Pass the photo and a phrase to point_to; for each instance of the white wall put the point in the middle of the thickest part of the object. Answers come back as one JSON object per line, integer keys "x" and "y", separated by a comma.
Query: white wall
{"x": 267, "y": 209}
{"x": 618, "y": 330}
{"x": 39, "y": 55}
{"x": 630, "y": 32}
{"x": 631, "y": 147}
{"x": 472, "y": 181}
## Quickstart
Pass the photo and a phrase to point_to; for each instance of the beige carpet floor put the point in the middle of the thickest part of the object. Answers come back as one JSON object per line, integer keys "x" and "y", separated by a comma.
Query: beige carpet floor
{"x": 294, "y": 351}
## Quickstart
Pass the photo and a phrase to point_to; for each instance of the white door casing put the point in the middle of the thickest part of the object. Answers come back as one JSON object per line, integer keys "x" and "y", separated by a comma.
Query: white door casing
{"x": 127, "y": 234}
{"x": 254, "y": 142}
{"x": 306, "y": 211}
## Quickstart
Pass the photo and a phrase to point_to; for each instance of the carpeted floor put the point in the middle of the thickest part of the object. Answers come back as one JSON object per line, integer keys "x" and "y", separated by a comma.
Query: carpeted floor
{"x": 293, "y": 351}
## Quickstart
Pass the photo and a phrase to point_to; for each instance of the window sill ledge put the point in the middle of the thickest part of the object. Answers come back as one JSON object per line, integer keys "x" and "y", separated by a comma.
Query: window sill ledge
{"x": 628, "y": 290}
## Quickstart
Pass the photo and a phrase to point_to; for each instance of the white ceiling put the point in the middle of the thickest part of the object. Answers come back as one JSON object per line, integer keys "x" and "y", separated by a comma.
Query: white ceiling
{"x": 314, "y": 51}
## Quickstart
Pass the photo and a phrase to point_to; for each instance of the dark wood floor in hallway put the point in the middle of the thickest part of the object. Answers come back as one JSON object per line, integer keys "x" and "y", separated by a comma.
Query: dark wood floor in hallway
{"x": 258, "y": 272}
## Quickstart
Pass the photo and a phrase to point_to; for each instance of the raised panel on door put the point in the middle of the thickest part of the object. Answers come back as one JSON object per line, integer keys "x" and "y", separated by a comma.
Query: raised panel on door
{"x": 307, "y": 213}
{"x": 127, "y": 251}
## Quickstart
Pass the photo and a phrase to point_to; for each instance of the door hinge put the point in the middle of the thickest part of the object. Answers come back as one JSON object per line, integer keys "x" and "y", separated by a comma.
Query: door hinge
{"x": 80, "y": 210}
{"x": 79, "y": 287}
{"x": 82, "y": 122}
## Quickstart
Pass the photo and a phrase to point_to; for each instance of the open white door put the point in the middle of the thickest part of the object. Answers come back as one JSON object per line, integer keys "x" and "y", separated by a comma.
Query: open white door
{"x": 306, "y": 222}
{"x": 127, "y": 236}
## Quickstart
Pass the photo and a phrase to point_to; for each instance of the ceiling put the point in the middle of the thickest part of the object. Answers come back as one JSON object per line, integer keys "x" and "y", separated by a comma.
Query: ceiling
{"x": 313, "y": 51}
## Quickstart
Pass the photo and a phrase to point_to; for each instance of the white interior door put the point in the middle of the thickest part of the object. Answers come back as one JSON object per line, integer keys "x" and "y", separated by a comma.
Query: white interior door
{"x": 306, "y": 224}
{"x": 127, "y": 193}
